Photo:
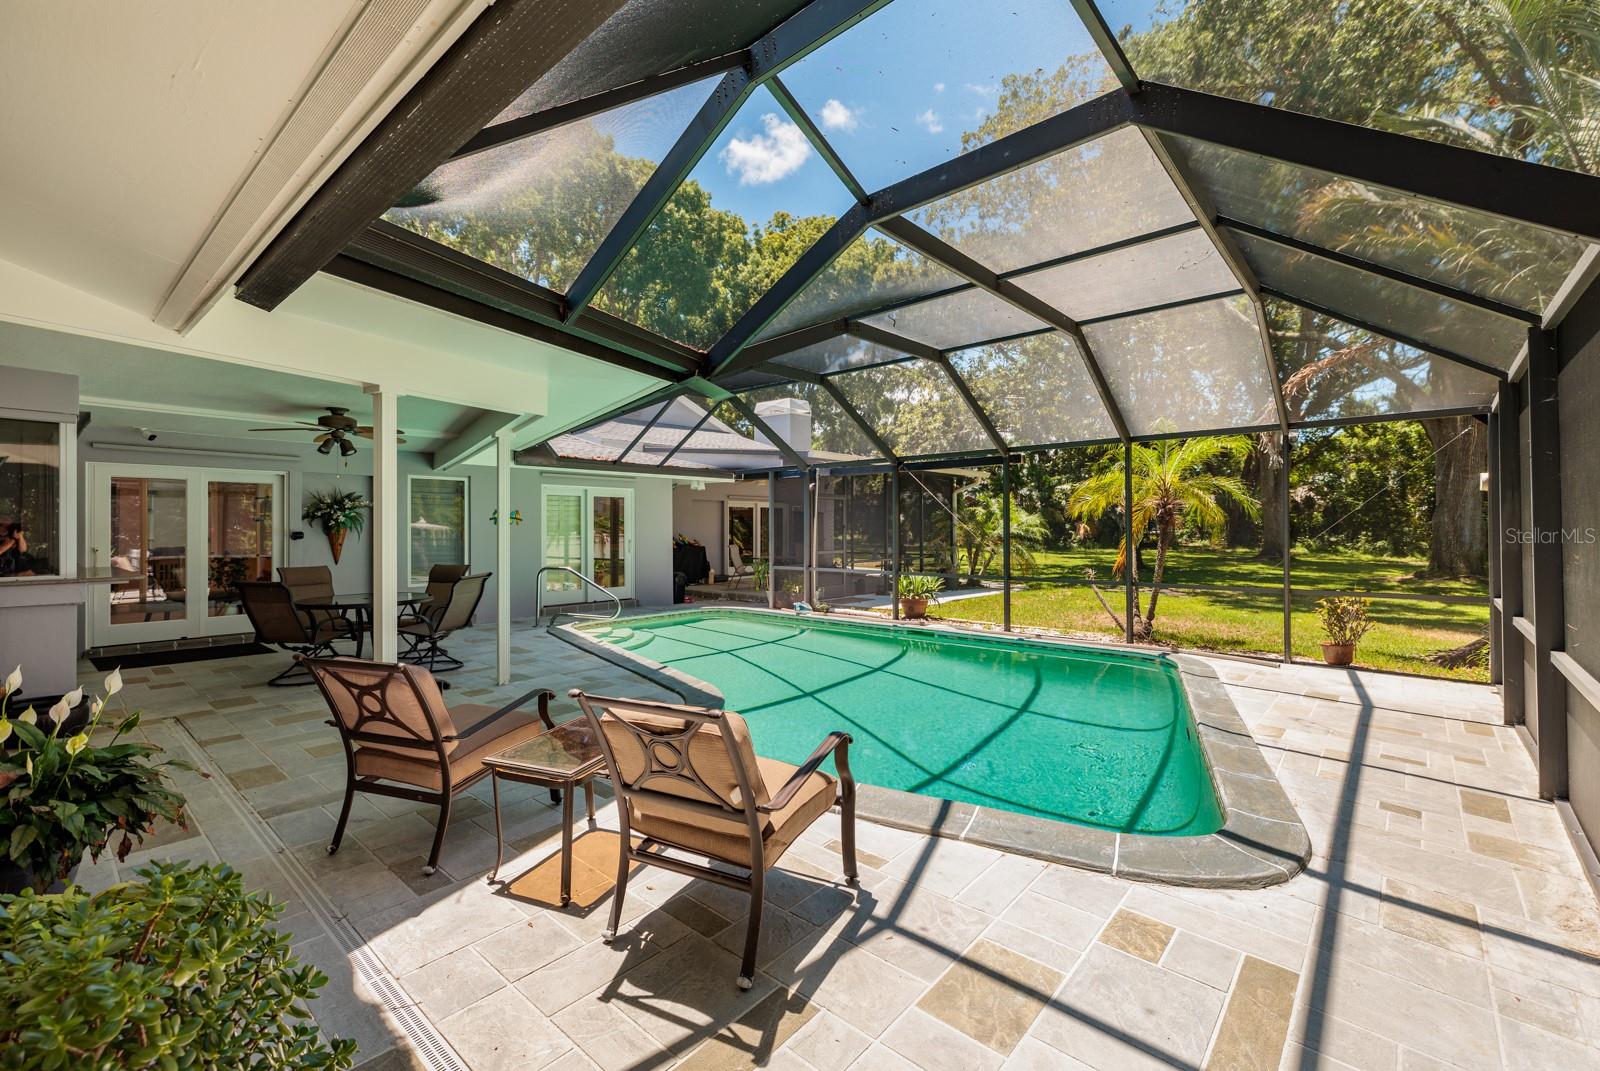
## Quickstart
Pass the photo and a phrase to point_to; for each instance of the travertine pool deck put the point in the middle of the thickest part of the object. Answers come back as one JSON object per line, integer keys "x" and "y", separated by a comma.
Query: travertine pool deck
{"x": 1443, "y": 921}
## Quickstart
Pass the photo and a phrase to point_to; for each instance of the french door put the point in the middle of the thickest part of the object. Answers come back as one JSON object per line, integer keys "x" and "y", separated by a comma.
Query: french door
{"x": 589, "y": 529}
{"x": 178, "y": 541}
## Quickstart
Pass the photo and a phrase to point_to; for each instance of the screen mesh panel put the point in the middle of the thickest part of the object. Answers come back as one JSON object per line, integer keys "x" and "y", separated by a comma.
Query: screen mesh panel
{"x": 832, "y": 430}
{"x": 954, "y": 320}
{"x": 1136, "y": 277}
{"x": 914, "y": 408}
{"x": 1194, "y": 368}
{"x": 1036, "y": 390}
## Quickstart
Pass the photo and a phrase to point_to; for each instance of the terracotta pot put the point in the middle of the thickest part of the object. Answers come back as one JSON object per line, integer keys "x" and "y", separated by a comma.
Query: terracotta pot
{"x": 915, "y": 609}
{"x": 336, "y": 542}
{"x": 1338, "y": 654}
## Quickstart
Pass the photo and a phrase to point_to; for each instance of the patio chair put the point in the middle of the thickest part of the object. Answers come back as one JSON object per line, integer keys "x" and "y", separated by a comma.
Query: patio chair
{"x": 308, "y": 583}
{"x": 441, "y": 578}
{"x": 436, "y": 619}
{"x": 400, "y": 739}
{"x": 688, "y": 780}
{"x": 278, "y": 622}
{"x": 737, "y": 569}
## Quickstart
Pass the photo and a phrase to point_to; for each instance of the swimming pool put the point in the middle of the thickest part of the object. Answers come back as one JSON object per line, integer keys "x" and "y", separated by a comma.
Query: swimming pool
{"x": 1099, "y": 738}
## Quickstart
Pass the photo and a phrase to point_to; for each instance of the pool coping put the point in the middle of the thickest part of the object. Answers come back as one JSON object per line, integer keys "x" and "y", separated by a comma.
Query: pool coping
{"x": 1262, "y": 841}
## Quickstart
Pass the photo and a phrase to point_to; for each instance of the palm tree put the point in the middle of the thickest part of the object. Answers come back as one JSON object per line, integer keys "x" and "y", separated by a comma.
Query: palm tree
{"x": 981, "y": 534}
{"x": 1172, "y": 484}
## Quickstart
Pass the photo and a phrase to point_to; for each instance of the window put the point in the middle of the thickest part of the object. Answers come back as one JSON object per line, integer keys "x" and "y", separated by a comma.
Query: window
{"x": 437, "y": 521}
{"x": 30, "y": 498}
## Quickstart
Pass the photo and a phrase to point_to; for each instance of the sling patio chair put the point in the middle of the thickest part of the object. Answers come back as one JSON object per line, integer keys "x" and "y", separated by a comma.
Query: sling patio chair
{"x": 437, "y": 619}
{"x": 738, "y": 569}
{"x": 401, "y": 740}
{"x": 441, "y": 578}
{"x": 309, "y": 583}
{"x": 688, "y": 780}
{"x": 279, "y": 623}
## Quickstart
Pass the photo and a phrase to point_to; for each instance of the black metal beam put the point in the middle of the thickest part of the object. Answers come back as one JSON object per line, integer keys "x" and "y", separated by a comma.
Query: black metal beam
{"x": 660, "y": 394}
{"x": 526, "y": 126}
{"x": 1549, "y": 601}
{"x": 1496, "y": 538}
{"x": 423, "y": 293}
{"x": 1178, "y": 303}
{"x": 506, "y": 49}
{"x": 818, "y": 141}
{"x": 1550, "y": 197}
{"x": 406, "y": 253}
{"x": 659, "y": 413}
{"x": 772, "y": 348}
{"x": 860, "y": 421}
{"x": 970, "y": 400}
{"x": 891, "y": 340}
{"x": 1107, "y": 43}
{"x": 1400, "y": 337}
{"x": 663, "y": 182}
{"x": 1508, "y": 494}
{"x": 940, "y": 251}
{"x": 1462, "y": 297}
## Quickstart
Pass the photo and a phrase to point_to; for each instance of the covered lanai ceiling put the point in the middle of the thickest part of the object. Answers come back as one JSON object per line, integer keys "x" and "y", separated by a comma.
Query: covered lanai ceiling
{"x": 958, "y": 231}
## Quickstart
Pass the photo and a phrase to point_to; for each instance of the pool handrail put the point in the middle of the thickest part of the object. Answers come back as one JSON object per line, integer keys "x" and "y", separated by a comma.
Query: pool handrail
{"x": 538, "y": 598}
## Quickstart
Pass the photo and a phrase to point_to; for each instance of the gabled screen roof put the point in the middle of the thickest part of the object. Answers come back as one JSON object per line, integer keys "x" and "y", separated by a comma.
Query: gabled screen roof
{"x": 953, "y": 232}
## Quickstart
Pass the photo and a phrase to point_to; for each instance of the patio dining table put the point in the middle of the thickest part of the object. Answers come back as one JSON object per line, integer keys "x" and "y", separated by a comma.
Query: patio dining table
{"x": 359, "y": 605}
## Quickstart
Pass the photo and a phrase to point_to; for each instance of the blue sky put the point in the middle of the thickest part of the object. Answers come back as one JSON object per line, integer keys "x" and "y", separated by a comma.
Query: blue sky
{"x": 893, "y": 95}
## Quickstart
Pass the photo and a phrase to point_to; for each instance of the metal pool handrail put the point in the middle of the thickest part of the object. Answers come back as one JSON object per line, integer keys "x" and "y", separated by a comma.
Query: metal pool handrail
{"x": 538, "y": 597}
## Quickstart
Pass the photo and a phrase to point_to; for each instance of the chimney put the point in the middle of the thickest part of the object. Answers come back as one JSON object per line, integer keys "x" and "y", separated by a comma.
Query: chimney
{"x": 790, "y": 418}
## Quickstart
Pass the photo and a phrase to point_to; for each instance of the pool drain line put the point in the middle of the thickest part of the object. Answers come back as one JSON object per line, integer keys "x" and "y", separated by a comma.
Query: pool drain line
{"x": 429, "y": 1047}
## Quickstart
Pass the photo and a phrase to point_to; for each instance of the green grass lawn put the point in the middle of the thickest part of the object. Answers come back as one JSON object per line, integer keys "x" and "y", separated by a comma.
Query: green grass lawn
{"x": 1403, "y": 634}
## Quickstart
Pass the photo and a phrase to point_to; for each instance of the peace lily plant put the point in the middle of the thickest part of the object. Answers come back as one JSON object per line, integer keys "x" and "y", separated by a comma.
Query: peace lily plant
{"x": 64, "y": 795}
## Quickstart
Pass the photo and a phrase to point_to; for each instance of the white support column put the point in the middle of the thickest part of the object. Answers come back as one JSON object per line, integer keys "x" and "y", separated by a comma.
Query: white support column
{"x": 385, "y": 527}
{"x": 502, "y": 557}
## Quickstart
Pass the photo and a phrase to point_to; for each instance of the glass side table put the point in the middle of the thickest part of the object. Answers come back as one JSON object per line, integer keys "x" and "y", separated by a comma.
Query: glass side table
{"x": 561, "y": 759}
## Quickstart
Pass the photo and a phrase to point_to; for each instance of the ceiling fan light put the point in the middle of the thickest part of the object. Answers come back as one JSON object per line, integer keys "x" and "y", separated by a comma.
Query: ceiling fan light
{"x": 346, "y": 448}
{"x": 325, "y": 446}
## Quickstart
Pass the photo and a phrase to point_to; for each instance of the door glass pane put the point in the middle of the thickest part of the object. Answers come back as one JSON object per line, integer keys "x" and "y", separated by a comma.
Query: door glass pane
{"x": 741, "y": 533}
{"x": 239, "y": 541}
{"x": 437, "y": 525}
{"x": 610, "y": 540}
{"x": 149, "y": 552}
{"x": 30, "y": 498}
{"x": 563, "y": 539}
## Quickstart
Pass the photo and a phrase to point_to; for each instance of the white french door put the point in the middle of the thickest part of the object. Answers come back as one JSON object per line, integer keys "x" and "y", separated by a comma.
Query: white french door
{"x": 178, "y": 541}
{"x": 589, "y": 529}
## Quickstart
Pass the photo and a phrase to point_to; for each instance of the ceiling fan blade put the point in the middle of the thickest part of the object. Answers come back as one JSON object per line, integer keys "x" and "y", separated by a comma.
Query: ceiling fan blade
{"x": 322, "y": 438}
{"x": 301, "y": 427}
{"x": 365, "y": 431}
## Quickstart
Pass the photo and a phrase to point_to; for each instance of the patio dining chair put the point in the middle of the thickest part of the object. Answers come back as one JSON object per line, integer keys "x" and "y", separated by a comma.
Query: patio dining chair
{"x": 401, "y": 740}
{"x": 737, "y": 568}
{"x": 436, "y": 619}
{"x": 279, "y": 623}
{"x": 688, "y": 780}
{"x": 441, "y": 578}
{"x": 308, "y": 583}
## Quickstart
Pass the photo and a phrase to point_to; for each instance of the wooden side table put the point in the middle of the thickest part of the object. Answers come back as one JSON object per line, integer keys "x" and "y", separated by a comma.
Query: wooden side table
{"x": 561, "y": 759}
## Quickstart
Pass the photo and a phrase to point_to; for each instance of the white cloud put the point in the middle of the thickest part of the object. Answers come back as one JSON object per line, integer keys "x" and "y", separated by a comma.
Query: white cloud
{"x": 983, "y": 89}
{"x": 931, "y": 121}
{"x": 938, "y": 87}
{"x": 836, "y": 115}
{"x": 767, "y": 157}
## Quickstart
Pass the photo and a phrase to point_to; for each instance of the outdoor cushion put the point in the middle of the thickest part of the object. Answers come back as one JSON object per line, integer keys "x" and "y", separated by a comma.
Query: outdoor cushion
{"x": 693, "y": 832}
{"x": 421, "y": 767}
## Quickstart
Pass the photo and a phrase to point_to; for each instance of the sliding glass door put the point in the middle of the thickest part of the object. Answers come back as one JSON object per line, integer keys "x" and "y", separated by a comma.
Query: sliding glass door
{"x": 588, "y": 529}
{"x": 178, "y": 542}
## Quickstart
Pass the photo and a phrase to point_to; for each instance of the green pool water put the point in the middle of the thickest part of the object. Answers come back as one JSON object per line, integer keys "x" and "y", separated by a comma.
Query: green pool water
{"x": 1099, "y": 738}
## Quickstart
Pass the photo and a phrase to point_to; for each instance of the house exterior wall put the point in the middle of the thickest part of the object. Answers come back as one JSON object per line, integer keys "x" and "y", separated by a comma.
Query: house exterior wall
{"x": 702, "y": 515}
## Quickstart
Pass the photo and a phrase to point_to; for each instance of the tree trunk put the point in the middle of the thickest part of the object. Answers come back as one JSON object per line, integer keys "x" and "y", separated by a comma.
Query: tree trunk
{"x": 1269, "y": 477}
{"x": 1163, "y": 540}
{"x": 1459, "y": 541}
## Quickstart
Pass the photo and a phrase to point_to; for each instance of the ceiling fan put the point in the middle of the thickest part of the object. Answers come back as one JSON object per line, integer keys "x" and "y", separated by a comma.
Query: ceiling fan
{"x": 336, "y": 429}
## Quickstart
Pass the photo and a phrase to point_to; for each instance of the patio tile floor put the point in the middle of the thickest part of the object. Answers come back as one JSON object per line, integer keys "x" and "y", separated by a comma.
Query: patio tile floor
{"x": 1443, "y": 922}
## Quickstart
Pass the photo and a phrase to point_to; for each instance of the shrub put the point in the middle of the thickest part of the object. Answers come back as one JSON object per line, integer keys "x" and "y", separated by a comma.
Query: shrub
{"x": 181, "y": 969}
{"x": 914, "y": 586}
{"x": 64, "y": 796}
{"x": 1344, "y": 619}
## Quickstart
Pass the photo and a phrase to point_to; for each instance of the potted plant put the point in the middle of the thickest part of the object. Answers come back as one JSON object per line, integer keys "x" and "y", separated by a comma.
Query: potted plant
{"x": 64, "y": 796}
{"x": 1344, "y": 621}
{"x": 790, "y": 590}
{"x": 915, "y": 592}
{"x": 181, "y": 968}
{"x": 339, "y": 513}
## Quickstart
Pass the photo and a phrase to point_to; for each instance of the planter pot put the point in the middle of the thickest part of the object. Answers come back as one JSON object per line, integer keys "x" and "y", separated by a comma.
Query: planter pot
{"x": 336, "y": 542}
{"x": 915, "y": 609}
{"x": 1338, "y": 654}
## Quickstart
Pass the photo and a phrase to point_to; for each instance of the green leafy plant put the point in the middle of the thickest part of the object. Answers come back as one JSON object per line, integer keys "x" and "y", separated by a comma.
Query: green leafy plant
{"x": 917, "y": 586}
{"x": 65, "y": 796}
{"x": 1344, "y": 619}
{"x": 179, "y": 969}
{"x": 337, "y": 511}
{"x": 761, "y": 571}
